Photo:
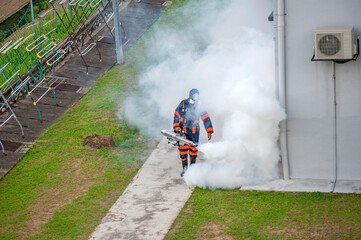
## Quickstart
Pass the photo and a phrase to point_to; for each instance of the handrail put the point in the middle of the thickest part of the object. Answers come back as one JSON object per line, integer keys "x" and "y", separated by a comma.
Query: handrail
{"x": 88, "y": 48}
{"x": 5, "y": 45}
{"x": 9, "y": 79}
{"x": 49, "y": 21}
{"x": 4, "y": 67}
{"x": 23, "y": 41}
{"x": 33, "y": 42}
{"x": 73, "y": 3}
{"x": 99, "y": 1}
{"x": 81, "y": 4}
{"x": 49, "y": 47}
{"x": 17, "y": 41}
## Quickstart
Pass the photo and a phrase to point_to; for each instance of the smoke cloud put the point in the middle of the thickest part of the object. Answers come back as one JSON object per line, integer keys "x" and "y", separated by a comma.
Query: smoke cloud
{"x": 225, "y": 50}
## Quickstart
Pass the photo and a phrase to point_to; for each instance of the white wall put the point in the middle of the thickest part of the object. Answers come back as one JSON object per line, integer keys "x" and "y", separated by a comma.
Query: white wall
{"x": 310, "y": 89}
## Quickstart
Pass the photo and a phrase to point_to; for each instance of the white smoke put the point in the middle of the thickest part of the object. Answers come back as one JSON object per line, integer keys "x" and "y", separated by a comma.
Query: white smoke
{"x": 226, "y": 51}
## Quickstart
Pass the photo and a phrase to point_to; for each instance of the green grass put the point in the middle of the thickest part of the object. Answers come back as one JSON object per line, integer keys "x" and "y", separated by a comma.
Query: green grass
{"x": 268, "y": 215}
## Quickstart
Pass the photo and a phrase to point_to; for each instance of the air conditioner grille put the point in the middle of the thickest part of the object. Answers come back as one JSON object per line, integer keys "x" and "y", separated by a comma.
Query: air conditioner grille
{"x": 329, "y": 45}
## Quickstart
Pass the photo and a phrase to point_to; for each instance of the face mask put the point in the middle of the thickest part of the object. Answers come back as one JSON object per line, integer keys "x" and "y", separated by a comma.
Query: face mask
{"x": 194, "y": 98}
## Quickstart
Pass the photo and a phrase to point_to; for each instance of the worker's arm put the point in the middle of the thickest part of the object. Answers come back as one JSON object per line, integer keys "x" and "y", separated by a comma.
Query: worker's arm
{"x": 207, "y": 124}
{"x": 177, "y": 117}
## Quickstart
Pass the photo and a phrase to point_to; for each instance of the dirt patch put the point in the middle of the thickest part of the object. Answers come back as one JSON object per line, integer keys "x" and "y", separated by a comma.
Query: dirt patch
{"x": 322, "y": 230}
{"x": 74, "y": 182}
{"x": 291, "y": 230}
{"x": 96, "y": 141}
{"x": 188, "y": 208}
{"x": 213, "y": 231}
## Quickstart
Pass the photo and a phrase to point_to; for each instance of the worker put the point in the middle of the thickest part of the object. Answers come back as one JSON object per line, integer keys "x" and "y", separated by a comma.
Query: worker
{"x": 186, "y": 120}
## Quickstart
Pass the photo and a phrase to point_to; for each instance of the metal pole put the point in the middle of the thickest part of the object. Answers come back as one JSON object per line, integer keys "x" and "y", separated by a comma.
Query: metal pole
{"x": 118, "y": 33}
{"x": 55, "y": 23}
{"x": 71, "y": 16}
{"x": 282, "y": 84}
{"x": 334, "y": 180}
{"x": 32, "y": 16}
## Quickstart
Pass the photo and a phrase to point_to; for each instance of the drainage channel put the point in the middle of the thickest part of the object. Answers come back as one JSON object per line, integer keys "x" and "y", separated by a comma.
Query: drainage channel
{"x": 66, "y": 87}
{"x": 19, "y": 147}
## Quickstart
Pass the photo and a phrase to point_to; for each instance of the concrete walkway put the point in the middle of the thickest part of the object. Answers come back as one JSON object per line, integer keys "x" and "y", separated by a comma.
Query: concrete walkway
{"x": 151, "y": 202}
{"x": 307, "y": 185}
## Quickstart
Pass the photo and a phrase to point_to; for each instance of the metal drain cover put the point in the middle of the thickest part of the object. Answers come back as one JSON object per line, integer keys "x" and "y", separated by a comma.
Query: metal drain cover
{"x": 11, "y": 146}
{"x": 66, "y": 87}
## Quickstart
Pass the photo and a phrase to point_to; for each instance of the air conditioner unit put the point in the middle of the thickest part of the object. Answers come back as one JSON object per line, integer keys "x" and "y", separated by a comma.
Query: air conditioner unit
{"x": 334, "y": 43}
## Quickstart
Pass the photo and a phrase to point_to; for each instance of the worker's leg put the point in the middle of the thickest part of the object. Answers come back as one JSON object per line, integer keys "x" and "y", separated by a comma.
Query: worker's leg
{"x": 193, "y": 151}
{"x": 183, "y": 152}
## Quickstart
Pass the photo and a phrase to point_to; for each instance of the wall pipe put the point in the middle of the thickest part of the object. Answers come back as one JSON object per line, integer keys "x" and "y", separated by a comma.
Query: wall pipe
{"x": 281, "y": 70}
{"x": 334, "y": 180}
{"x": 32, "y": 16}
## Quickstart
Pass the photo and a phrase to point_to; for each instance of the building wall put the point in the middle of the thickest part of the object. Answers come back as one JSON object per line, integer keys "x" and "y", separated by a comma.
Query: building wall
{"x": 310, "y": 94}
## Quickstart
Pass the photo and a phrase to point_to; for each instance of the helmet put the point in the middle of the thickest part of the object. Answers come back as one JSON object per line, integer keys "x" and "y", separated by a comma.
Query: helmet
{"x": 193, "y": 92}
{"x": 193, "y": 96}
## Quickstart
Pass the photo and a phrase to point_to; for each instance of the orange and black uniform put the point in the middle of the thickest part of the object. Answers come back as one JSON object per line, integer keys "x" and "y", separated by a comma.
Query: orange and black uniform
{"x": 187, "y": 117}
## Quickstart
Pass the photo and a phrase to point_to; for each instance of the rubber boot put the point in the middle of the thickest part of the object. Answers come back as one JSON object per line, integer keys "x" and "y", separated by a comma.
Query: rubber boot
{"x": 185, "y": 166}
{"x": 193, "y": 160}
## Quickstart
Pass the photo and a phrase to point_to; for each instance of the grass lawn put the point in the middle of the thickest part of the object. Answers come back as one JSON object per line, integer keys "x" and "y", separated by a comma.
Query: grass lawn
{"x": 235, "y": 214}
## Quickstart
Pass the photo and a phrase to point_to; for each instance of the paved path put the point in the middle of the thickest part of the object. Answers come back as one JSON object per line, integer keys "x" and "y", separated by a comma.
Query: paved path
{"x": 307, "y": 185}
{"x": 151, "y": 202}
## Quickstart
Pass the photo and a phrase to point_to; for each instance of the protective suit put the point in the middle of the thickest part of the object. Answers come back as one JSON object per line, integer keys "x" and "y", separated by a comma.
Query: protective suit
{"x": 186, "y": 118}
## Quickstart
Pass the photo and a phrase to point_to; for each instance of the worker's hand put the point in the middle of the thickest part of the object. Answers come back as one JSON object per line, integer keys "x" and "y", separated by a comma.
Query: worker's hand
{"x": 177, "y": 129}
{"x": 209, "y": 136}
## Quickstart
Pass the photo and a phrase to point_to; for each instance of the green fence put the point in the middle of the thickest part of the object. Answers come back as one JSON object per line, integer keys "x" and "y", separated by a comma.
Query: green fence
{"x": 51, "y": 27}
